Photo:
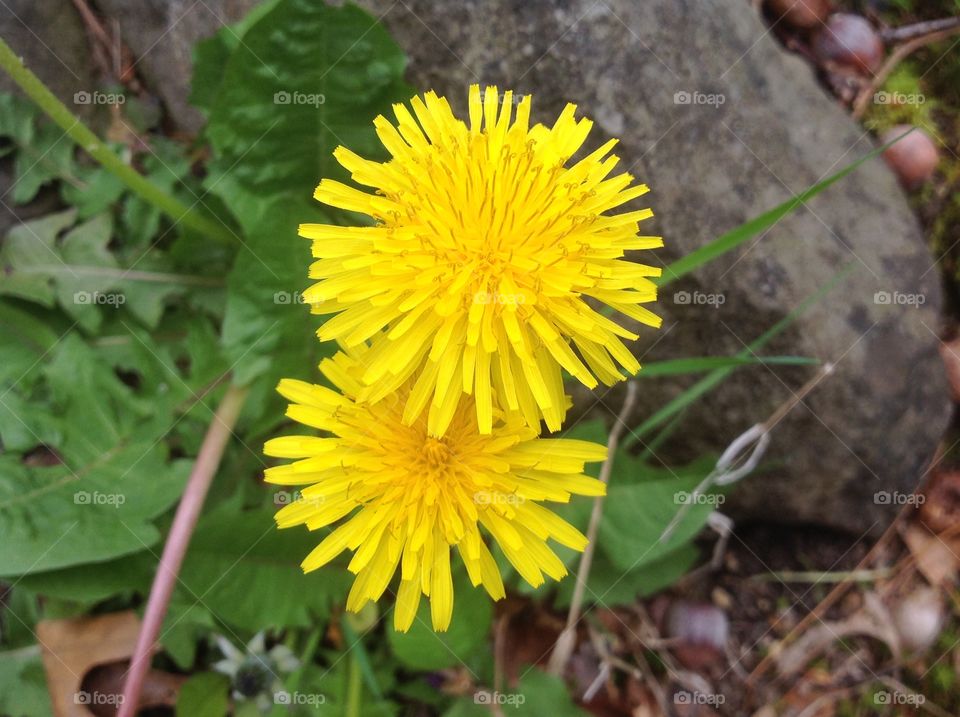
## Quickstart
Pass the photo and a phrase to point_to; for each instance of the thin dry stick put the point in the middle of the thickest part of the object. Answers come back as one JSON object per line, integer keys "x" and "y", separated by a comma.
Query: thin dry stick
{"x": 896, "y": 57}
{"x": 565, "y": 643}
{"x": 208, "y": 460}
{"x": 918, "y": 29}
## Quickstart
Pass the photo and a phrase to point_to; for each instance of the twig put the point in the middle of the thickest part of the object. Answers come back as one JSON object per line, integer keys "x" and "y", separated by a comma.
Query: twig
{"x": 904, "y": 33}
{"x": 208, "y": 460}
{"x": 816, "y": 577}
{"x": 898, "y": 54}
{"x": 565, "y": 642}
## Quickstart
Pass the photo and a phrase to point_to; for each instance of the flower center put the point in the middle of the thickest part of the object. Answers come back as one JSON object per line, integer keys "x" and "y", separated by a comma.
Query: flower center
{"x": 436, "y": 453}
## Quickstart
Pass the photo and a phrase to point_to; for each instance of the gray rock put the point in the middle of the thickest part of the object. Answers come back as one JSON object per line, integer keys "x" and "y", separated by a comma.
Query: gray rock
{"x": 161, "y": 34}
{"x": 756, "y": 130}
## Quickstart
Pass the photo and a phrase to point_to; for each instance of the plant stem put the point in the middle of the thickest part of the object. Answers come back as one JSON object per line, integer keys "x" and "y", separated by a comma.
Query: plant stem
{"x": 208, "y": 460}
{"x": 34, "y": 88}
{"x": 354, "y": 685}
{"x": 567, "y": 639}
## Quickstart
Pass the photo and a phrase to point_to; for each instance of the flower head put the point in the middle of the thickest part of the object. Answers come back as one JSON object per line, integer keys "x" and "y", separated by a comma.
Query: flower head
{"x": 402, "y": 497}
{"x": 487, "y": 242}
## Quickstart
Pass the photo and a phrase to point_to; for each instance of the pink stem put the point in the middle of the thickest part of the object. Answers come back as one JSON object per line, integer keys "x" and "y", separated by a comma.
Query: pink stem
{"x": 185, "y": 520}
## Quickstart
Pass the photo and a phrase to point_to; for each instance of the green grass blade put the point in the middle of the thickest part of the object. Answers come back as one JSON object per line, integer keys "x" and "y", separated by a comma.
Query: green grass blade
{"x": 735, "y": 237}
{"x": 678, "y": 367}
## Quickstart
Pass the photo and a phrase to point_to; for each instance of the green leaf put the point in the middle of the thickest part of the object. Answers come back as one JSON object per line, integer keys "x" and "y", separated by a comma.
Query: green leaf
{"x": 93, "y": 495}
{"x": 23, "y": 686}
{"x": 210, "y": 56}
{"x": 184, "y": 629}
{"x": 306, "y": 78}
{"x": 27, "y": 246}
{"x": 268, "y": 333}
{"x": 537, "y": 694}
{"x": 93, "y": 582}
{"x": 421, "y": 648}
{"x": 77, "y": 270}
{"x": 48, "y": 156}
{"x": 544, "y": 694}
{"x": 17, "y": 118}
{"x": 247, "y": 573}
{"x": 269, "y": 156}
{"x": 636, "y": 514}
{"x": 92, "y": 191}
{"x": 204, "y": 695}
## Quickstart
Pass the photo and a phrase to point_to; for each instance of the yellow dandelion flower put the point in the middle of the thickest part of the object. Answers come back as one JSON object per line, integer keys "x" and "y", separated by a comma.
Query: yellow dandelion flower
{"x": 485, "y": 247}
{"x": 403, "y": 497}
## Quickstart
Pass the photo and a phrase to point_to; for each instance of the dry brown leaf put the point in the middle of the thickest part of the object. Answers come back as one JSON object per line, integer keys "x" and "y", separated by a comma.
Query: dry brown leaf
{"x": 937, "y": 560}
{"x": 71, "y": 648}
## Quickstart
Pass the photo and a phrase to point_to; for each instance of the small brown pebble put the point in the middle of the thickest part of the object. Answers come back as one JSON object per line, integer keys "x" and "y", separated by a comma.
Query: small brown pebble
{"x": 848, "y": 41}
{"x": 913, "y": 158}
{"x": 801, "y": 14}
